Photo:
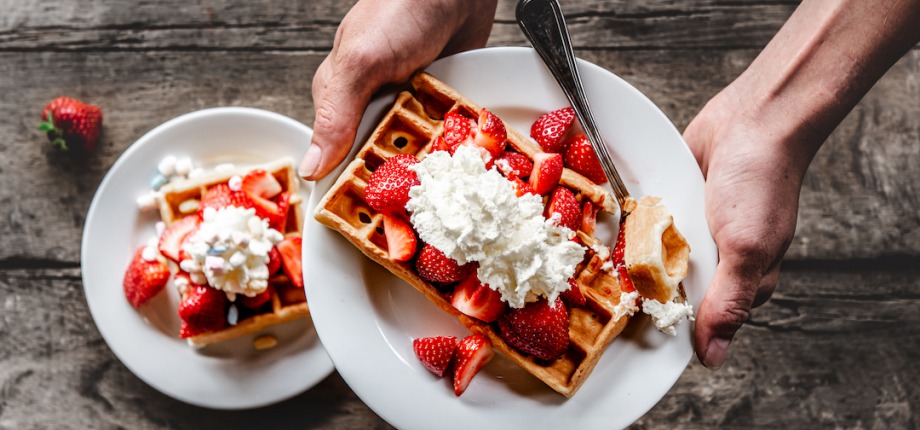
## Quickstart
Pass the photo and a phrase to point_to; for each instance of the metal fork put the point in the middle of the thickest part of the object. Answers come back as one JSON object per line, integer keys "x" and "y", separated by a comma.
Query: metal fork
{"x": 544, "y": 25}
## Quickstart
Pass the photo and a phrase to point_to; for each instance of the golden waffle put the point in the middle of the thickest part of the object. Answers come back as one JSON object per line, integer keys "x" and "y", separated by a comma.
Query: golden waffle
{"x": 410, "y": 127}
{"x": 657, "y": 255}
{"x": 284, "y": 307}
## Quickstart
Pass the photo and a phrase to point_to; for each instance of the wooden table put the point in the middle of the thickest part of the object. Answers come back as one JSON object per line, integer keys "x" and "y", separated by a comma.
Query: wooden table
{"x": 836, "y": 347}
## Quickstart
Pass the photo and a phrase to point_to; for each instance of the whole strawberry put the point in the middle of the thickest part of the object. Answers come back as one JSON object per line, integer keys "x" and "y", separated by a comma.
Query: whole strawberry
{"x": 580, "y": 157}
{"x": 204, "y": 309}
{"x": 388, "y": 186}
{"x": 538, "y": 329}
{"x": 71, "y": 124}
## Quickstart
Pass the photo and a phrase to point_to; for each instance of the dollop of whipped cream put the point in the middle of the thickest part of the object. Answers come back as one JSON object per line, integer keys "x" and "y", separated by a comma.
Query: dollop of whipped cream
{"x": 668, "y": 315}
{"x": 473, "y": 214}
{"x": 230, "y": 249}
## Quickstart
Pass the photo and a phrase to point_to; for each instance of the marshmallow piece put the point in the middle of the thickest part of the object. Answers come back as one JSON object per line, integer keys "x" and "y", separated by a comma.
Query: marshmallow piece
{"x": 167, "y": 166}
{"x": 196, "y": 173}
{"x": 214, "y": 264}
{"x": 198, "y": 277}
{"x": 189, "y": 206}
{"x": 224, "y": 167}
{"x": 183, "y": 166}
{"x": 235, "y": 183}
{"x": 190, "y": 266}
{"x": 158, "y": 181}
{"x": 237, "y": 259}
{"x": 161, "y": 227}
{"x": 149, "y": 254}
{"x": 147, "y": 201}
{"x": 233, "y": 315}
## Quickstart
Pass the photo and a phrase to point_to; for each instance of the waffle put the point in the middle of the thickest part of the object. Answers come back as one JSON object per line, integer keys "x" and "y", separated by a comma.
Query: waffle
{"x": 284, "y": 307}
{"x": 410, "y": 127}
{"x": 658, "y": 254}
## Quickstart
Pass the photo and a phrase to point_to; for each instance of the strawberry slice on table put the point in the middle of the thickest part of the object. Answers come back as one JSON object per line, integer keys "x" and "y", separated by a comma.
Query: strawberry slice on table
{"x": 388, "y": 186}
{"x": 71, "y": 124}
{"x": 435, "y": 353}
{"x": 491, "y": 134}
{"x": 472, "y": 354}
{"x": 433, "y": 266}
{"x": 538, "y": 329}
{"x": 401, "y": 240}
{"x": 474, "y": 299}
{"x": 581, "y": 158}
{"x": 291, "y": 260}
{"x": 204, "y": 309}
{"x": 550, "y": 129}
{"x": 144, "y": 279}
{"x": 563, "y": 209}
{"x": 171, "y": 241}
{"x": 547, "y": 170}
{"x": 514, "y": 165}
{"x": 457, "y": 130}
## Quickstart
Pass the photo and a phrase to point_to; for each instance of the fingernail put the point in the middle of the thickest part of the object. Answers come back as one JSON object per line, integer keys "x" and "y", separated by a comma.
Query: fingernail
{"x": 310, "y": 161}
{"x": 716, "y": 352}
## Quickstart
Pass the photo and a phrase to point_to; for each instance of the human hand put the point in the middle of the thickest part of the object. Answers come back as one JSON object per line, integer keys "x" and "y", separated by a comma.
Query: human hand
{"x": 381, "y": 42}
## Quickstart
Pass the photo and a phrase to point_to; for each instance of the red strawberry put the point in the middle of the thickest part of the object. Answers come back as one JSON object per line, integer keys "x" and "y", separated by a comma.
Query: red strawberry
{"x": 549, "y": 130}
{"x": 573, "y": 297}
{"x": 274, "y": 261}
{"x": 472, "y": 354}
{"x": 279, "y": 221}
{"x": 204, "y": 308}
{"x": 388, "y": 187}
{"x": 521, "y": 187}
{"x": 563, "y": 203}
{"x": 401, "y": 241}
{"x": 537, "y": 329}
{"x": 589, "y": 218}
{"x": 144, "y": 279}
{"x": 620, "y": 246}
{"x": 457, "y": 130}
{"x": 71, "y": 123}
{"x": 435, "y": 353}
{"x": 220, "y": 196}
{"x": 581, "y": 158}
{"x": 439, "y": 145}
{"x": 259, "y": 183}
{"x": 255, "y": 302}
{"x": 433, "y": 266}
{"x": 291, "y": 261}
{"x": 547, "y": 170}
{"x": 477, "y": 300}
{"x": 172, "y": 239}
{"x": 625, "y": 281}
{"x": 491, "y": 134}
{"x": 514, "y": 165}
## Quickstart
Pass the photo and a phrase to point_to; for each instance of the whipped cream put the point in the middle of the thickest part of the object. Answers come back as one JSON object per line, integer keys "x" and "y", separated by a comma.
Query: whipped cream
{"x": 628, "y": 305}
{"x": 473, "y": 214}
{"x": 667, "y": 315}
{"x": 230, "y": 249}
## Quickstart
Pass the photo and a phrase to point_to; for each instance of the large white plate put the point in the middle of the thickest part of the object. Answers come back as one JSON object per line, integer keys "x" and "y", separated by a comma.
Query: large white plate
{"x": 226, "y": 376}
{"x": 368, "y": 318}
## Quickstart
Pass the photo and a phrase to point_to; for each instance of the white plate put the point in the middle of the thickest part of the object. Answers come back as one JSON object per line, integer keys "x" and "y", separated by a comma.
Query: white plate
{"x": 367, "y": 318}
{"x": 225, "y": 376}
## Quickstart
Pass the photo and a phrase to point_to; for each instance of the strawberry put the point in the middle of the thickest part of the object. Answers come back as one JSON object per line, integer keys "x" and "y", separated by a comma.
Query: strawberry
{"x": 625, "y": 281}
{"x": 457, "y": 129}
{"x": 562, "y": 202}
{"x": 581, "y": 158}
{"x": 439, "y": 145}
{"x": 620, "y": 246}
{"x": 474, "y": 299}
{"x": 274, "y": 261}
{"x": 279, "y": 221}
{"x": 388, "y": 187}
{"x": 70, "y": 123}
{"x": 573, "y": 297}
{"x": 259, "y": 183}
{"x": 521, "y": 187}
{"x": 255, "y": 302}
{"x": 204, "y": 308}
{"x": 539, "y": 329}
{"x": 549, "y": 130}
{"x": 433, "y": 266}
{"x": 144, "y": 279}
{"x": 589, "y": 218}
{"x": 435, "y": 353}
{"x": 547, "y": 170}
{"x": 220, "y": 196}
{"x": 514, "y": 165}
{"x": 491, "y": 134}
{"x": 472, "y": 354}
{"x": 291, "y": 261}
{"x": 401, "y": 240}
{"x": 172, "y": 239}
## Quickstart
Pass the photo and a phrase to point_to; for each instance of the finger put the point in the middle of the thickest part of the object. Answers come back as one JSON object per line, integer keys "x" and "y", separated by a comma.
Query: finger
{"x": 767, "y": 286}
{"x": 725, "y": 307}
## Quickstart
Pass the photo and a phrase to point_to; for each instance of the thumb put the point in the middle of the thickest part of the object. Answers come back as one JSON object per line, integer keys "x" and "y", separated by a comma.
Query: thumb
{"x": 724, "y": 309}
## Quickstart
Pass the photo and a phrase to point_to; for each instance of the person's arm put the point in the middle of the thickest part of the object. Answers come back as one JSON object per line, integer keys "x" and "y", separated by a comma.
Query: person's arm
{"x": 756, "y": 138}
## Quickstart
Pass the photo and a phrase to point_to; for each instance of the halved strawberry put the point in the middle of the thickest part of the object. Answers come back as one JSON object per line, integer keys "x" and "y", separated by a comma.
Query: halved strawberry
{"x": 144, "y": 279}
{"x": 547, "y": 170}
{"x": 388, "y": 186}
{"x": 472, "y": 354}
{"x": 433, "y": 266}
{"x": 170, "y": 244}
{"x": 521, "y": 187}
{"x": 274, "y": 261}
{"x": 477, "y": 300}
{"x": 538, "y": 329}
{"x": 291, "y": 261}
{"x": 257, "y": 301}
{"x": 435, "y": 353}
{"x": 626, "y": 283}
{"x": 550, "y": 129}
{"x": 573, "y": 297}
{"x": 457, "y": 129}
{"x": 491, "y": 133}
{"x": 204, "y": 308}
{"x": 401, "y": 240}
{"x": 562, "y": 202}
{"x": 260, "y": 183}
{"x": 221, "y": 195}
{"x": 589, "y": 217}
{"x": 581, "y": 158}
{"x": 278, "y": 221}
{"x": 514, "y": 165}
{"x": 620, "y": 247}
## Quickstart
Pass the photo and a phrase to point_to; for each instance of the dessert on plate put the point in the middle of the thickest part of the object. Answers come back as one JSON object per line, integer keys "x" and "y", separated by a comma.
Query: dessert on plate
{"x": 494, "y": 230}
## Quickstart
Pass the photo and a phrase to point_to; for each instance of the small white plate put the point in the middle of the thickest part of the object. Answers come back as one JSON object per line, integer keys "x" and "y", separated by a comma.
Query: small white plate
{"x": 230, "y": 375}
{"x": 368, "y": 318}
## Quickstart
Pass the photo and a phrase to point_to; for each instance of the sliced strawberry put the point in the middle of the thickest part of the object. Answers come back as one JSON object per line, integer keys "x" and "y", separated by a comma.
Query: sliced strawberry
{"x": 626, "y": 283}
{"x": 457, "y": 130}
{"x": 589, "y": 217}
{"x": 581, "y": 158}
{"x": 573, "y": 297}
{"x": 472, "y": 354}
{"x": 171, "y": 241}
{"x": 514, "y": 165}
{"x": 435, "y": 353}
{"x": 388, "y": 187}
{"x": 257, "y": 301}
{"x": 477, "y": 300}
{"x": 620, "y": 246}
{"x": 550, "y": 129}
{"x": 563, "y": 209}
{"x": 260, "y": 183}
{"x": 433, "y": 266}
{"x": 291, "y": 261}
{"x": 401, "y": 240}
{"x": 539, "y": 329}
{"x": 220, "y": 196}
{"x": 187, "y": 330}
{"x": 274, "y": 261}
{"x": 204, "y": 308}
{"x": 547, "y": 170}
{"x": 521, "y": 187}
{"x": 183, "y": 252}
{"x": 491, "y": 133}
{"x": 144, "y": 279}
{"x": 439, "y": 145}
{"x": 284, "y": 205}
